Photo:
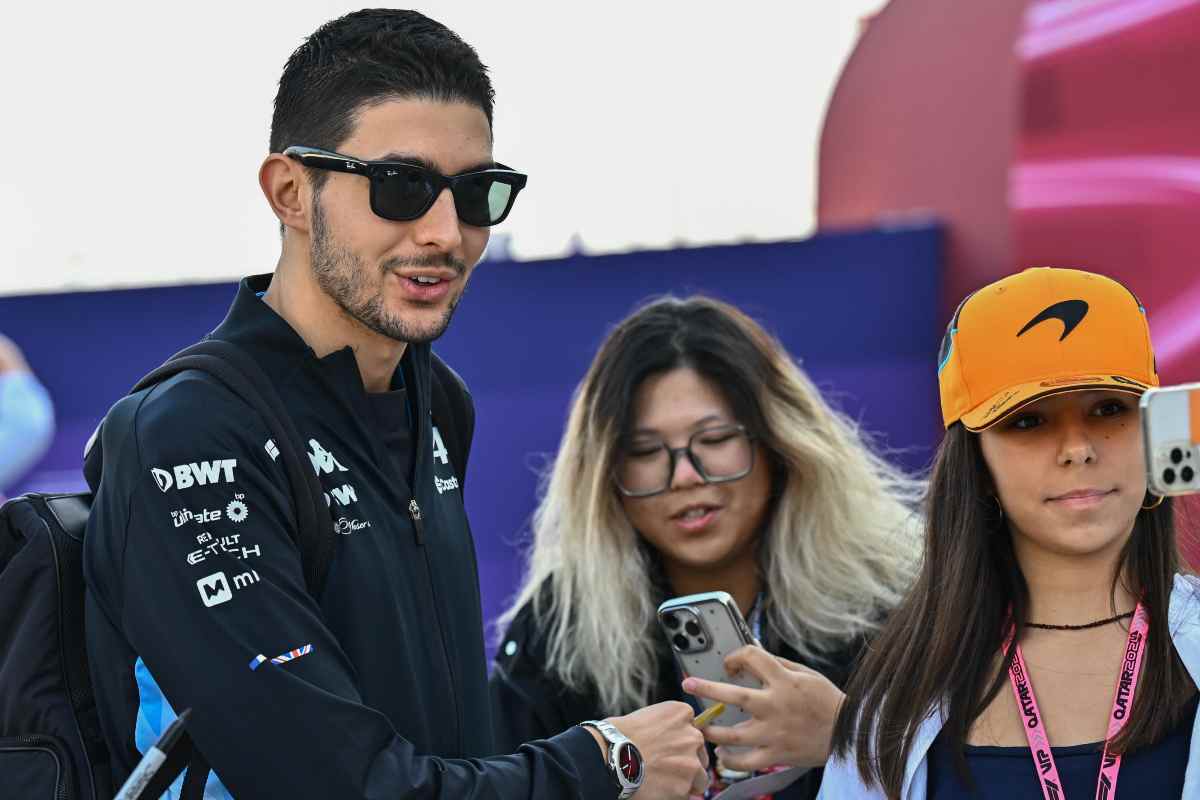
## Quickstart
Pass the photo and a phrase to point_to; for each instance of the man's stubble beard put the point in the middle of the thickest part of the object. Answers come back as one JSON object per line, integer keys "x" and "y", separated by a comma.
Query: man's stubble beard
{"x": 342, "y": 275}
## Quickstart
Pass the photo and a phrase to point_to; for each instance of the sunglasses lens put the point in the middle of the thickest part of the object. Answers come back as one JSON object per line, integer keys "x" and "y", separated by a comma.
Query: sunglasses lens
{"x": 482, "y": 199}
{"x": 403, "y": 193}
{"x": 499, "y": 198}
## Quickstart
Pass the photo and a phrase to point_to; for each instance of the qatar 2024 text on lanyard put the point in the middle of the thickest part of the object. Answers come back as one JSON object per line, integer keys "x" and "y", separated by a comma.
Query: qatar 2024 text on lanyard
{"x": 1035, "y": 731}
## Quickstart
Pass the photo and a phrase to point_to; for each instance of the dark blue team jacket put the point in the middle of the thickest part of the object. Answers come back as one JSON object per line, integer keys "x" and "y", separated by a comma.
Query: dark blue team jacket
{"x": 195, "y": 585}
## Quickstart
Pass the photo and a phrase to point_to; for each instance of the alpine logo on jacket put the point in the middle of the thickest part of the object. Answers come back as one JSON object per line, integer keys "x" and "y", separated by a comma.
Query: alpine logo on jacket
{"x": 442, "y": 455}
{"x": 440, "y": 452}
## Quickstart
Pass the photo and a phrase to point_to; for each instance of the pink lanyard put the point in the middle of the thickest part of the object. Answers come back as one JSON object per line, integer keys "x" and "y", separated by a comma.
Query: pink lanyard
{"x": 1035, "y": 732}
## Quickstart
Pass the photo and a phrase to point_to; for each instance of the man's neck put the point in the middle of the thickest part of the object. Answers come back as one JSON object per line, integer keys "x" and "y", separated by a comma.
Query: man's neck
{"x": 1071, "y": 589}
{"x": 326, "y": 328}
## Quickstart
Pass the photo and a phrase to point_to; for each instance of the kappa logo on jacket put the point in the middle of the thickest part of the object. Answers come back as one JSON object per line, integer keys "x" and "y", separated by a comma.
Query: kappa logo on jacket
{"x": 322, "y": 460}
{"x": 325, "y": 463}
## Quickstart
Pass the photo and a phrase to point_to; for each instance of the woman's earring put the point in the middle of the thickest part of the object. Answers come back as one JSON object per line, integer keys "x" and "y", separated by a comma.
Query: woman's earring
{"x": 999, "y": 507}
{"x": 1155, "y": 504}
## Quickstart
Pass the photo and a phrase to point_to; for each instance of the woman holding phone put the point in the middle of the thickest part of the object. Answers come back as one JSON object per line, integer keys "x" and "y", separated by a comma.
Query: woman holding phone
{"x": 698, "y": 457}
{"x": 1049, "y": 646}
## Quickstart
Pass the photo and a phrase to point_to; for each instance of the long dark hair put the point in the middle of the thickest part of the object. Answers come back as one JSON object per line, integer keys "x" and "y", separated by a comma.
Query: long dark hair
{"x": 939, "y": 647}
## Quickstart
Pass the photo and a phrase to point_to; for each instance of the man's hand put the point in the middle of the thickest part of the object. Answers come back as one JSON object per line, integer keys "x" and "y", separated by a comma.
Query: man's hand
{"x": 673, "y": 752}
{"x": 11, "y": 358}
{"x": 793, "y": 714}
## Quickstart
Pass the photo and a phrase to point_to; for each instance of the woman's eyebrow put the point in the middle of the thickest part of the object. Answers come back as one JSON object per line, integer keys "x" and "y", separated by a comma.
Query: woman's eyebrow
{"x": 695, "y": 425}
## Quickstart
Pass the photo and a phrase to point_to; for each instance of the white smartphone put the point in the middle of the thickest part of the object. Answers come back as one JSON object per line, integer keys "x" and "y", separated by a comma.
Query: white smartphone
{"x": 702, "y": 630}
{"x": 1171, "y": 432}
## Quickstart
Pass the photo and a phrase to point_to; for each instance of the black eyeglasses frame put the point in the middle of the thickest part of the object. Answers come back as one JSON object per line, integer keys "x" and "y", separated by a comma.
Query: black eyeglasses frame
{"x": 673, "y": 454}
{"x": 378, "y": 172}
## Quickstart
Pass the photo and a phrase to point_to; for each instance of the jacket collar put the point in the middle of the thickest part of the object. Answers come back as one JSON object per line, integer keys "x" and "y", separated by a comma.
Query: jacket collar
{"x": 255, "y": 326}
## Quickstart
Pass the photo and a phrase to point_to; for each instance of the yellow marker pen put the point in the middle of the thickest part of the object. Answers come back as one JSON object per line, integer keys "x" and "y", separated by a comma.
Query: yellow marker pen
{"x": 704, "y": 717}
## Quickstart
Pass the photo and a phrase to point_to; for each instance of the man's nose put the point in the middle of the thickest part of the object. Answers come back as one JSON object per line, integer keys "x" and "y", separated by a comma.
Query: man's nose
{"x": 439, "y": 226}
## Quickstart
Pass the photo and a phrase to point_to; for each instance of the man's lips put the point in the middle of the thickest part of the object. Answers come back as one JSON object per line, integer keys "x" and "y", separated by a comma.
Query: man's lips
{"x": 428, "y": 273}
{"x": 427, "y": 291}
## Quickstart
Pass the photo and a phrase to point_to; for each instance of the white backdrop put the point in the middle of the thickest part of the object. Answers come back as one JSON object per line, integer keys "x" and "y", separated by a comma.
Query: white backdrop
{"x": 132, "y": 133}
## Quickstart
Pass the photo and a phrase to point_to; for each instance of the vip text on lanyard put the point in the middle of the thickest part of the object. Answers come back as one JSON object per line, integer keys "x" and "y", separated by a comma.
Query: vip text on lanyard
{"x": 1035, "y": 730}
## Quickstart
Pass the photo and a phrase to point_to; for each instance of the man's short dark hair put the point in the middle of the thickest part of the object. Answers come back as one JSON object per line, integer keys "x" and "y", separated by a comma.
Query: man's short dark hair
{"x": 368, "y": 57}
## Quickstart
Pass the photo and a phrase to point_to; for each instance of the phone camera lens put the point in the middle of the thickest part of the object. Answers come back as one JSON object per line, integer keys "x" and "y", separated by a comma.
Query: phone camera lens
{"x": 1187, "y": 474}
{"x": 1168, "y": 476}
{"x": 1176, "y": 456}
{"x": 700, "y": 641}
{"x": 692, "y": 628}
{"x": 671, "y": 621}
{"x": 680, "y": 641}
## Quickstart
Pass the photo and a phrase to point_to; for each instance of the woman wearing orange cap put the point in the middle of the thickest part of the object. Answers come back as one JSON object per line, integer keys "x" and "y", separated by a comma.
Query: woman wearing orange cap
{"x": 1050, "y": 576}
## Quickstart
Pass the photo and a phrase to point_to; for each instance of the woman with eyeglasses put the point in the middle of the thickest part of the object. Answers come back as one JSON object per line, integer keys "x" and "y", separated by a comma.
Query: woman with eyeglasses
{"x": 1050, "y": 647}
{"x": 698, "y": 457}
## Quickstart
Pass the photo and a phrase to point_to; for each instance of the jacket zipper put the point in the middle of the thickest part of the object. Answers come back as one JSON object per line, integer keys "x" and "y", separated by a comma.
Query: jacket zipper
{"x": 414, "y": 511}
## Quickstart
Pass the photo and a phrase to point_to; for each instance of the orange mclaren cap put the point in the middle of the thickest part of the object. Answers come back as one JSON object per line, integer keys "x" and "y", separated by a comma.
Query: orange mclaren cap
{"x": 1040, "y": 332}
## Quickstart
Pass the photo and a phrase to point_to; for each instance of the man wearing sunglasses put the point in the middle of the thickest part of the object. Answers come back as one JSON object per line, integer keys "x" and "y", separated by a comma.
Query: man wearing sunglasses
{"x": 382, "y": 176}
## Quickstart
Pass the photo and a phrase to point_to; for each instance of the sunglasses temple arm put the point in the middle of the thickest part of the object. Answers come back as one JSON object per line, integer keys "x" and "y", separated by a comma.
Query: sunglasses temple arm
{"x": 334, "y": 163}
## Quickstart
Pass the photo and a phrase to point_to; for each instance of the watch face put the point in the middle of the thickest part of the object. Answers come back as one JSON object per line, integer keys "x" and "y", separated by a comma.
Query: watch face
{"x": 630, "y": 762}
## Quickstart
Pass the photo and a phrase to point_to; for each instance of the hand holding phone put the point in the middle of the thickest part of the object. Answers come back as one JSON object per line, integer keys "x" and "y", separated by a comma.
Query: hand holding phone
{"x": 703, "y": 629}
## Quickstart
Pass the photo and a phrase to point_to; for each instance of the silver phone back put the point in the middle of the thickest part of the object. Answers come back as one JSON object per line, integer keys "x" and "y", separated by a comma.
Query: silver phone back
{"x": 723, "y": 631}
{"x": 1170, "y": 437}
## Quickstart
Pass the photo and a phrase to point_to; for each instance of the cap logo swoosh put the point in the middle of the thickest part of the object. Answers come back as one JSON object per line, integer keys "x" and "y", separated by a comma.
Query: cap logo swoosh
{"x": 1069, "y": 312}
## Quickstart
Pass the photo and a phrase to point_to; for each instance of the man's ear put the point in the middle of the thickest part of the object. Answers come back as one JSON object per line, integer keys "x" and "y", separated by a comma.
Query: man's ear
{"x": 286, "y": 188}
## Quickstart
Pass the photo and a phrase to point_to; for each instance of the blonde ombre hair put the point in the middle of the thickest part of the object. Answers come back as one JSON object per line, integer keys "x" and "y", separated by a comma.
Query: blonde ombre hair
{"x": 838, "y": 550}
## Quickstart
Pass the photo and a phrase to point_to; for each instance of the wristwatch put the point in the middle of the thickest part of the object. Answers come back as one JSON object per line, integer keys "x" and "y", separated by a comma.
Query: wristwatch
{"x": 624, "y": 759}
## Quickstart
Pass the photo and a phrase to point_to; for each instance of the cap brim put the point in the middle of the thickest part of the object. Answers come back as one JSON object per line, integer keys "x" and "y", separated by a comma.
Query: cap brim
{"x": 1014, "y": 398}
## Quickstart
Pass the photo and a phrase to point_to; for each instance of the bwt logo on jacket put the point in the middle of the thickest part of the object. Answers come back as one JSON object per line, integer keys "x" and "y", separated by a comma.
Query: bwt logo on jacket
{"x": 186, "y": 476}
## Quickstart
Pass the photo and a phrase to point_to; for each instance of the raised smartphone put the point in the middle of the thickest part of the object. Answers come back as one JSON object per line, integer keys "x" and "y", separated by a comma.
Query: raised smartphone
{"x": 1171, "y": 433}
{"x": 702, "y": 630}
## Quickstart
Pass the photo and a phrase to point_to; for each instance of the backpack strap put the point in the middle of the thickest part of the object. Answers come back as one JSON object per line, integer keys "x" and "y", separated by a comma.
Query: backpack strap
{"x": 232, "y": 366}
{"x": 196, "y": 778}
{"x": 183, "y": 754}
{"x": 453, "y": 414}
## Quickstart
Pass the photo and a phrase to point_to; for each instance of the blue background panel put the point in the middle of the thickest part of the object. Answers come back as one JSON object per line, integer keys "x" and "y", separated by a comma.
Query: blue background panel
{"x": 860, "y": 310}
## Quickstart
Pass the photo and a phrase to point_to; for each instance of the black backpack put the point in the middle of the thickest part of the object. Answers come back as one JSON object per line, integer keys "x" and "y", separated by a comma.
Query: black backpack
{"x": 51, "y": 745}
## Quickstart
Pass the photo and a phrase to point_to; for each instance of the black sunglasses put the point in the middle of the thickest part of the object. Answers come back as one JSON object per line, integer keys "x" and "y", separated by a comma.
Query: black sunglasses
{"x": 402, "y": 191}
